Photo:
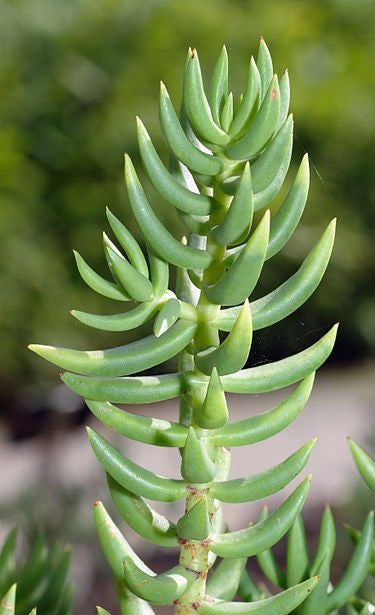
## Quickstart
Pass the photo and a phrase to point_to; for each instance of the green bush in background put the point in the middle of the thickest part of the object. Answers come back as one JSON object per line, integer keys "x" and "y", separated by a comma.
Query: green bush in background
{"x": 71, "y": 81}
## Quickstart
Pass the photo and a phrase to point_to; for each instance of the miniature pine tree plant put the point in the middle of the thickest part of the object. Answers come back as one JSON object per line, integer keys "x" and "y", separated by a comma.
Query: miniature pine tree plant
{"x": 229, "y": 162}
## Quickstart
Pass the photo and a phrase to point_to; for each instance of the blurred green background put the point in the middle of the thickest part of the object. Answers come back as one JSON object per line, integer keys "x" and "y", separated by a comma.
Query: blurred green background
{"x": 73, "y": 75}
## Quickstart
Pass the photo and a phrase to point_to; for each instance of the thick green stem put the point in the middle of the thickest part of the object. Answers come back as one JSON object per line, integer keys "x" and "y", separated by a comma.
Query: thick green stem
{"x": 195, "y": 554}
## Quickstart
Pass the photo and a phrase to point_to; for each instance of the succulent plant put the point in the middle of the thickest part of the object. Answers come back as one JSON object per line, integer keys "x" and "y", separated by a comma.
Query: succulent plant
{"x": 229, "y": 160}
{"x": 40, "y": 584}
{"x": 326, "y": 598}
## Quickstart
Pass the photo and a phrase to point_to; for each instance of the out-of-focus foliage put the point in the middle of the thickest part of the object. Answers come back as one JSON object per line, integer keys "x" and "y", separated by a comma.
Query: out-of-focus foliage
{"x": 40, "y": 581}
{"x": 73, "y": 75}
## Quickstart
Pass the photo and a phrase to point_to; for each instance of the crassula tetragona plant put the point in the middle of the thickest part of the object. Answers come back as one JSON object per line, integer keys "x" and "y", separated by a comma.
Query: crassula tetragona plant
{"x": 229, "y": 160}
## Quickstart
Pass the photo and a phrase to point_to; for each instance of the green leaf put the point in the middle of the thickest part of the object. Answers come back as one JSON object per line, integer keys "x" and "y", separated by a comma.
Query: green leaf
{"x": 196, "y": 464}
{"x": 7, "y": 603}
{"x": 267, "y": 424}
{"x": 284, "y": 602}
{"x": 264, "y": 534}
{"x": 137, "y": 427}
{"x": 225, "y": 579}
{"x": 132, "y": 476}
{"x": 127, "y": 390}
{"x": 196, "y": 105}
{"x": 274, "y": 376}
{"x": 297, "y": 559}
{"x": 167, "y": 316}
{"x": 219, "y": 85}
{"x": 232, "y": 354}
{"x": 179, "y": 143}
{"x": 261, "y": 129}
{"x": 141, "y": 517}
{"x": 364, "y": 463}
{"x": 257, "y": 486}
{"x": 356, "y": 571}
{"x": 157, "y": 588}
{"x": 123, "y": 360}
{"x": 160, "y": 240}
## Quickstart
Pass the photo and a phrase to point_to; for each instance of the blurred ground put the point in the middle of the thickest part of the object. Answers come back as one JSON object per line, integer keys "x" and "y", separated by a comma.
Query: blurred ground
{"x": 342, "y": 404}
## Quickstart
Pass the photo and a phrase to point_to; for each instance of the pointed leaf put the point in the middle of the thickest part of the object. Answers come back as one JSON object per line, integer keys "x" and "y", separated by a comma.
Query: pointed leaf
{"x": 128, "y": 243}
{"x": 164, "y": 182}
{"x": 247, "y": 590}
{"x": 123, "y": 360}
{"x": 238, "y": 218}
{"x": 263, "y": 535}
{"x": 261, "y": 129}
{"x": 214, "y": 411}
{"x": 225, "y": 579}
{"x": 316, "y": 602}
{"x": 146, "y": 429}
{"x": 97, "y": 283}
{"x": 257, "y": 486}
{"x": 267, "y": 424}
{"x": 196, "y": 105}
{"x": 250, "y": 102}
{"x": 179, "y": 143}
{"x": 284, "y": 97}
{"x": 297, "y": 556}
{"x": 284, "y": 602}
{"x": 118, "y": 322}
{"x": 133, "y": 477}
{"x": 356, "y": 571}
{"x": 156, "y": 235}
{"x": 116, "y": 549}
{"x": 268, "y": 563}
{"x": 269, "y": 170}
{"x": 364, "y": 462}
{"x": 227, "y": 113}
{"x": 134, "y": 283}
{"x": 7, "y": 603}
{"x": 168, "y": 315}
{"x": 274, "y": 376}
{"x": 196, "y": 464}
{"x": 284, "y": 222}
{"x": 219, "y": 85}
{"x": 141, "y": 517}
{"x": 160, "y": 589}
{"x": 195, "y": 523}
{"x": 326, "y": 542}
{"x": 265, "y": 66}
{"x": 290, "y": 295}
{"x": 127, "y": 390}
{"x": 239, "y": 281}
{"x": 232, "y": 354}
